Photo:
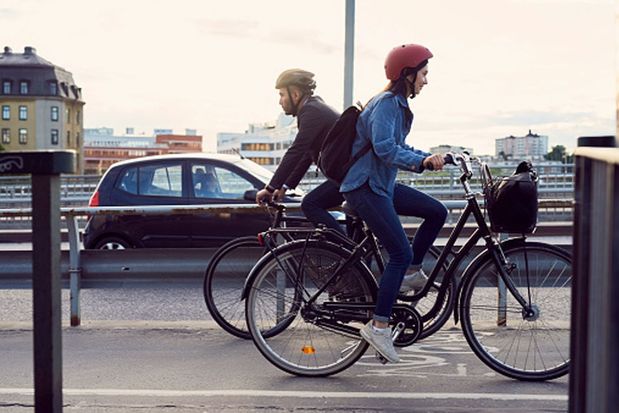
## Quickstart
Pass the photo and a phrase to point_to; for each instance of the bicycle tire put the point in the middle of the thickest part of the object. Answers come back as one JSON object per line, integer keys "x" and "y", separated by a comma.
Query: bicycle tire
{"x": 224, "y": 280}
{"x": 531, "y": 347}
{"x": 302, "y": 347}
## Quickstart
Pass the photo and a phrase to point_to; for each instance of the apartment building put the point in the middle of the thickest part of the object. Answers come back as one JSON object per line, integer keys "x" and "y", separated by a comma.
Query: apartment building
{"x": 530, "y": 146}
{"x": 103, "y": 148}
{"x": 41, "y": 106}
{"x": 264, "y": 143}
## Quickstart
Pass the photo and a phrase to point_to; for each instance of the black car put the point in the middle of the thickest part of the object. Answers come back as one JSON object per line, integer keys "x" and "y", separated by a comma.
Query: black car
{"x": 180, "y": 179}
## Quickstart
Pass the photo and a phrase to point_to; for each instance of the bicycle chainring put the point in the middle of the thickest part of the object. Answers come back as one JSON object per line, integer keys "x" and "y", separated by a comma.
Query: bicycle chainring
{"x": 412, "y": 324}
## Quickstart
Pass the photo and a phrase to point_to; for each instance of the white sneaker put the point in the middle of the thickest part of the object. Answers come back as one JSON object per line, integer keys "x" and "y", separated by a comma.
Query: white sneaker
{"x": 415, "y": 281}
{"x": 381, "y": 341}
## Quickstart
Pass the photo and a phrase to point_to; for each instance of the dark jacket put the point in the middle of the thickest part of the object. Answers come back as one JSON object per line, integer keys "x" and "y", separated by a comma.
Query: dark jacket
{"x": 314, "y": 121}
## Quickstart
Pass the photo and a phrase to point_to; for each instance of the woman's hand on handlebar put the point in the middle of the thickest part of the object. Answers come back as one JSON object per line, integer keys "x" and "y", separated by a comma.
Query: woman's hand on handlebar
{"x": 434, "y": 162}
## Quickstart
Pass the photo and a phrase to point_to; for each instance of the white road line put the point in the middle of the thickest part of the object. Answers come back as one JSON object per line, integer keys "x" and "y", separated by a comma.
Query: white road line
{"x": 291, "y": 394}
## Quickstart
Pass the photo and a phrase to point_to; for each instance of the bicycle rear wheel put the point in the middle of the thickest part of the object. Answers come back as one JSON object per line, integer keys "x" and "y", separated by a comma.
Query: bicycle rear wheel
{"x": 301, "y": 338}
{"x": 224, "y": 280}
{"x": 523, "y": 345}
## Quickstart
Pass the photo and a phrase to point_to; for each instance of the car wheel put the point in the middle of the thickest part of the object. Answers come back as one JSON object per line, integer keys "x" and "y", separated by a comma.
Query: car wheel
{"x": 112, "y": 243}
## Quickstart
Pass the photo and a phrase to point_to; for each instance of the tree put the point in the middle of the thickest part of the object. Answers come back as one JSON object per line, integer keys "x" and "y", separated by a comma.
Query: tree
{"x": 558, "y": 153}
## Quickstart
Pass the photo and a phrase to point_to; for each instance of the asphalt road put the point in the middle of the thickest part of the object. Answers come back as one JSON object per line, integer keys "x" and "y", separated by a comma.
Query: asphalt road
{"x": 153, "y": 348}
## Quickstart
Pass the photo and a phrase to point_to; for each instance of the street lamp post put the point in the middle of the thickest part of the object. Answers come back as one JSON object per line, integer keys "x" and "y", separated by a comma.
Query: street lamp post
{"x": 349, "y": 46}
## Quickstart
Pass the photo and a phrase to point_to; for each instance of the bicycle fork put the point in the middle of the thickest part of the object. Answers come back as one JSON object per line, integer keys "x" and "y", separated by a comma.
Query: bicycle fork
{"x": 530, "y": 311}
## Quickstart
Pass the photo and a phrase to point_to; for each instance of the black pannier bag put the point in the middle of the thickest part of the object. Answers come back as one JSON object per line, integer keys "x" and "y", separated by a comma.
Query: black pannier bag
{"x": 512, "y": 201}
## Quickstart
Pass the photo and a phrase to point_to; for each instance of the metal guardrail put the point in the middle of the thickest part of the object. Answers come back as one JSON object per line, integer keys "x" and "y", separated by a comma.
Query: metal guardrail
{"x": 555, "y": 178}
{"x": 139, "y": 263}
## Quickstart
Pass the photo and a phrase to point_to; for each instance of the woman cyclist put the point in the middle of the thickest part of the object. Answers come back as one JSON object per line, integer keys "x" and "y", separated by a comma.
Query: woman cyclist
{"x": 370, "y": 188}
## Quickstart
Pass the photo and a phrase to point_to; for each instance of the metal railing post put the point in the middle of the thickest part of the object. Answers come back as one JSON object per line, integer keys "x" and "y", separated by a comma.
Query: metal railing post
{"x": 502, "y": 295}
{"x": 45, "y": 168}
{"x": 594, "y": 378}
{"x": 75, "y": 268}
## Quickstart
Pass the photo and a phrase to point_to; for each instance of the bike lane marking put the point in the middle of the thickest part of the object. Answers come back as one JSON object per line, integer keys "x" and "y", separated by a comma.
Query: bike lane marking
{"x": 292, "y": 394}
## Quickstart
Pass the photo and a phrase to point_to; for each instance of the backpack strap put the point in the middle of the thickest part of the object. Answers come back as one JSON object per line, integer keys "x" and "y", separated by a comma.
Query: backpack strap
{"x": 359, "y": 154}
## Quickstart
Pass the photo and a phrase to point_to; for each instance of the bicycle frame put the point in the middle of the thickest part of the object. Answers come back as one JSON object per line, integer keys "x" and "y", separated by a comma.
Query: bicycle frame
{"x": 369, "y": 243}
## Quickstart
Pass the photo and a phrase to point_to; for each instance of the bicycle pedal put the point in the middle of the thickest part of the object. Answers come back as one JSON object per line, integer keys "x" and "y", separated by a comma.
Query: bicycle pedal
{"x": 380, "y": 358}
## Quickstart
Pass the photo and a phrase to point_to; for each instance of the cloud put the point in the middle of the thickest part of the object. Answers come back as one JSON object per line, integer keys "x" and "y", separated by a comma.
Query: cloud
{"x": 302, "y": 39}
{"x": 7, "y": 13}
{"x": 536, "y": 117}
{"x": 522, "y": 118}
{"x": 228, "y": 27}
{"x": 245, "y": 29}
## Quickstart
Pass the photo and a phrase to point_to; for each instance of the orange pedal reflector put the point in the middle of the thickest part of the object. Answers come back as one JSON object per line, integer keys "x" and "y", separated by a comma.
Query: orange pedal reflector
{"x": 308, "y": 350}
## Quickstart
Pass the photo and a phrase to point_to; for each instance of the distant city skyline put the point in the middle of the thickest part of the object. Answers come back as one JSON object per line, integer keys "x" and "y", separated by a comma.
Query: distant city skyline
{"x": 500, "y": 68}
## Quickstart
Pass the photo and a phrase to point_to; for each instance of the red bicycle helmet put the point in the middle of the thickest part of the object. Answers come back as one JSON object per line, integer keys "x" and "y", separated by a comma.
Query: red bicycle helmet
{"x": 401, "y": 57}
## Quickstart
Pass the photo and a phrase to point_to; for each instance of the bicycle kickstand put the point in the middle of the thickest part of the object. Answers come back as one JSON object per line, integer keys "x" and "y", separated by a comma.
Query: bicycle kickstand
{"x": 398, "y": 329}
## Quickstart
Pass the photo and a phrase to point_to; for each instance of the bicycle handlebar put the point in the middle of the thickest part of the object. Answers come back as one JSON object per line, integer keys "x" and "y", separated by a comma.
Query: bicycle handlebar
{"x": 449, "y": 159}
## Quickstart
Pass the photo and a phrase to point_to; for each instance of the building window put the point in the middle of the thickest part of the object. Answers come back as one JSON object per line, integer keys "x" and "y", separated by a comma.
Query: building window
{"x": 7, "y": 87}
{"x": 68, "y": 115}
{"x": 6, "y": 136}
{"x": 262, "y": 147}
{"x": 54, "y": 136}
{"x": 23, "y": 136}
{"x": 23, "y": 87}
{"x": 55, "y": 113}
{"x": 23, "y": 113}
{"x": 78, "y": 115}
{"x": 68, "y": 138}
{"x": 77, "y": 139}
{"x": 6, "y": 112}
{"x": 53, "y": 88}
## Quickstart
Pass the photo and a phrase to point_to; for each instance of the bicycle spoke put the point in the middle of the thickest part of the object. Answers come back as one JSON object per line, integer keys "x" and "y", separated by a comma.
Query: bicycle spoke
{"x": 300, "y": 346}
{"x": 531, "y": 344}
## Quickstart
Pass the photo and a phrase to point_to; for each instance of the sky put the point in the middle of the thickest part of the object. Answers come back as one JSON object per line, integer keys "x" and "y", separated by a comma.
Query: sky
{"x": 500, "y": 67}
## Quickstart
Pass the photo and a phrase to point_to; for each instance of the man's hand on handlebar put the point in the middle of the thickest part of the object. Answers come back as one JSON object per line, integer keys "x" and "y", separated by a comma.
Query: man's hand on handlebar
{"x": 434, "y": 162}
{"x": 263, "y": 196}
{"x": 279, "y": 195}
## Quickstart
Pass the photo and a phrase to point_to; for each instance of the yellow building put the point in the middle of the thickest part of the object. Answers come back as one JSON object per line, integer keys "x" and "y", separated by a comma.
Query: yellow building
{"x": 41, "y": 107}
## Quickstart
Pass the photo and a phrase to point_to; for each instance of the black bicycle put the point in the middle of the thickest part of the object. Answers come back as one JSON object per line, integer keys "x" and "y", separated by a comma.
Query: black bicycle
{"x": 307, "y": 299}
{"x": 228, "y": 268}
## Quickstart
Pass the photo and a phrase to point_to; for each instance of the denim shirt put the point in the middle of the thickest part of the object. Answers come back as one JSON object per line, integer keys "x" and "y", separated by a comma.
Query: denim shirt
{"x": 386, "y": 121}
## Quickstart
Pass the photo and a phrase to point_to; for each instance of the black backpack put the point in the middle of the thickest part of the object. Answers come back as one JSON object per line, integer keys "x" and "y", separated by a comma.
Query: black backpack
{"x": 512, "y": 201}
{"x": 336, "y": 158}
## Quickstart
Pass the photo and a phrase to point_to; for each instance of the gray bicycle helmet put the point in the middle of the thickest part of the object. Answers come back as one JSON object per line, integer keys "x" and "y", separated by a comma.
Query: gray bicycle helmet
{"x": 300, "y": 78}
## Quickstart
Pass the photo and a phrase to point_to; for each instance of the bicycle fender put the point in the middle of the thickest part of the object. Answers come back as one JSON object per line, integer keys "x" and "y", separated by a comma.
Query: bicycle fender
{"x": 249, "y": 281}
{"x": 475, "y": 262}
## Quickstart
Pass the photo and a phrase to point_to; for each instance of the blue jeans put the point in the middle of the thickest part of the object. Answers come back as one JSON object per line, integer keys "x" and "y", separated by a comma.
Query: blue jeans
{"x": 381, "y": 214}
{"x": 316, "y": 203}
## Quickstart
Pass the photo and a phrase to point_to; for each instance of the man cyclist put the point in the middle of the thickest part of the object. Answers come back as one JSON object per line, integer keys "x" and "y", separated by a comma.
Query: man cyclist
{"x": 314, "y": 119}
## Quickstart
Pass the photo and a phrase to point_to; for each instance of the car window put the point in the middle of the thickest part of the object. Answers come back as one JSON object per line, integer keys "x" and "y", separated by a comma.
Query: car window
{"x": 153, "y": 180}
{"x": 216, "y": 182}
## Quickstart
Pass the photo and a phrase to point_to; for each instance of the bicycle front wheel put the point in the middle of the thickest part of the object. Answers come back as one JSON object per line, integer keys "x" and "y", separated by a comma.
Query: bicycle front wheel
{"x": 224, "y": 280}
{"x": 305, "y": 338}
{"x": 523, "y": 343}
